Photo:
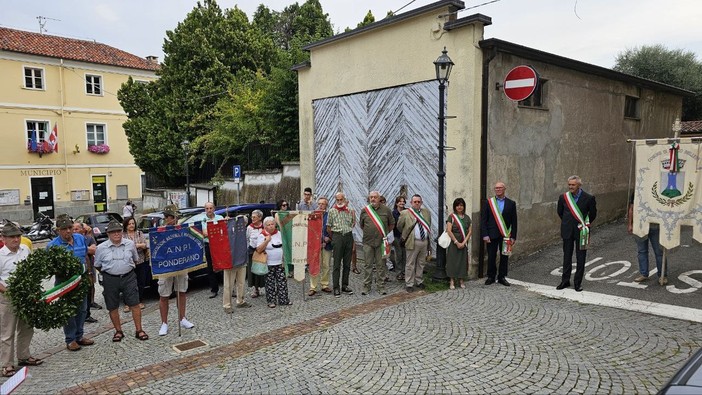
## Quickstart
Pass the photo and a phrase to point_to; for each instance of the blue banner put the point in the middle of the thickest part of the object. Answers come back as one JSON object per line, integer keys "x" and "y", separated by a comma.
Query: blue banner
{"x": 176, "y": 250}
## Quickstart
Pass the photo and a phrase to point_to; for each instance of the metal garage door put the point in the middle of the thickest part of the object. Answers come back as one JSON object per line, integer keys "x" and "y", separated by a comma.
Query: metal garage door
{"x": 380, "y": 140}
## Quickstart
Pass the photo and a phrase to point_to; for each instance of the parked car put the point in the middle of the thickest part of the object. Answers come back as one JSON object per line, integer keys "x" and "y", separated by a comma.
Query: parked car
{"x": 233, "y": 211}
{"x": 688, "y": 380}
{"x": 99, "y": 221}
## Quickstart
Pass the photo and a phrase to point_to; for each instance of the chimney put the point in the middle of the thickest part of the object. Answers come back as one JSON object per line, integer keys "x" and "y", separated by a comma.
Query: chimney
{"x": 153, "y": 59}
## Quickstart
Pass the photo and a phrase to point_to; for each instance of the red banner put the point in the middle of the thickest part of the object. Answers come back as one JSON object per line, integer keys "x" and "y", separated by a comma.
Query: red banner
{"x": 314, "y": 241}
{"x": 220, "y": 251}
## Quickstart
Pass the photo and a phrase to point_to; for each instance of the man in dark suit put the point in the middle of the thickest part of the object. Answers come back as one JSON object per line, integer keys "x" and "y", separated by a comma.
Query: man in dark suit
{"x": 577, "y": 209}
{"x": 494, "y": 234}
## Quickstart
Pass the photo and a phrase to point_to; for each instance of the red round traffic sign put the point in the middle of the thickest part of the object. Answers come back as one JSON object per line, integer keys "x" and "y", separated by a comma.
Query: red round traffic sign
{"x": 520, "y": 83}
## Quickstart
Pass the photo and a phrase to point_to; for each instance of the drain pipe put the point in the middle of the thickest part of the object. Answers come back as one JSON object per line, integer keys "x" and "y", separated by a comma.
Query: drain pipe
{"x": 483, "y": 151}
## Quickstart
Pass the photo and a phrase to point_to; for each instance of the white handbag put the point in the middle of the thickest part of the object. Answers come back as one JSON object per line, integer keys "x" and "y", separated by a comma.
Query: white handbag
{"x": 444, "y": 240}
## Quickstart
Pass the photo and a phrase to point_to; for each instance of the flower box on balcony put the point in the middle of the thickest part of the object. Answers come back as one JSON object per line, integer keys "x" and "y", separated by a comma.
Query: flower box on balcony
{"x": 99, "y": 148}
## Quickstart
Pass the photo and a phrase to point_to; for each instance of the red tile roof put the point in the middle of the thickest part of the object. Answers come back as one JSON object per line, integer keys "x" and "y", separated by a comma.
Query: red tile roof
{"x": 69, "y": 48}
{"x": 691, "y": 126}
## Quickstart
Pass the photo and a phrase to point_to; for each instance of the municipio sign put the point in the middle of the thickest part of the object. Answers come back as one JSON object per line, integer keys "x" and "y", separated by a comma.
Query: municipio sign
{"x": 520, "y": 83}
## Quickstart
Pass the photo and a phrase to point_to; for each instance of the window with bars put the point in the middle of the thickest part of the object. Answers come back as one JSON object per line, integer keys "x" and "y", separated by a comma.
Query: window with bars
{"x": 33, "y": 78}
{"x": 95, "y": 134}
{"x": 538, "y": 98}
{"x": 93, "y": 84}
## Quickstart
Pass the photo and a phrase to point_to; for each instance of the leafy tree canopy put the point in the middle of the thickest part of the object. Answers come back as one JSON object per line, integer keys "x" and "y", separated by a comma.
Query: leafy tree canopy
{"x": 226, "y": 85}
{"x": 670, "y": 66}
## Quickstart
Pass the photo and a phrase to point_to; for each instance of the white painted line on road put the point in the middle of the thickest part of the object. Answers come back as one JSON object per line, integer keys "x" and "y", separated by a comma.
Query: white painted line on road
{"x": 618, "y": 302}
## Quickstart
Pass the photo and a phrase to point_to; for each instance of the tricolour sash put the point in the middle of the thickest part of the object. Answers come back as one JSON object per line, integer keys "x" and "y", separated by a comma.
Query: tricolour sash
{"x": 584, "y": 223}
{"x": 418, "y": 216}
{"x": 502, "y": 226}
{"x": 62, "y": 289}
{"x": 461, "y": 226}
{"x": 381, "y": 228}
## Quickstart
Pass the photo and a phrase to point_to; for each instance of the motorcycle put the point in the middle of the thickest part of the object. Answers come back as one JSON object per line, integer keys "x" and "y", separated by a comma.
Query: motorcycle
{"x": 42, "y": 228}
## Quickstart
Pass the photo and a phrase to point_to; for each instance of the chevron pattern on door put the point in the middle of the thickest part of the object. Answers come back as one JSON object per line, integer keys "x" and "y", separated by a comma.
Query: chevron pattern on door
{"x": 379, "y": 140}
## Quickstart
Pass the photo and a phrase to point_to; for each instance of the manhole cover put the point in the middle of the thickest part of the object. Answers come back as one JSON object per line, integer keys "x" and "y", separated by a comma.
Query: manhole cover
{"x": 189, "y": 345}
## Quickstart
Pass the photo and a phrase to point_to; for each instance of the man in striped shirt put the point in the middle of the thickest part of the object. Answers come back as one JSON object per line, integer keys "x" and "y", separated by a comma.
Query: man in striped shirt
{"x": 340, "y": 224}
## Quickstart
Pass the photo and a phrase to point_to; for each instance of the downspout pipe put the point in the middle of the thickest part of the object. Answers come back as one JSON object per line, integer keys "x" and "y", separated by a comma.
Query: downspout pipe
{"x": 483, "y": 150}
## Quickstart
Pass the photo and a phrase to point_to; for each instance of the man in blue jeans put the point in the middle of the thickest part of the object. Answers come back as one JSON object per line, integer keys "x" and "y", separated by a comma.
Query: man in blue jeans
{"x": 75, "y": 243}
{"x": 642, "y": 247}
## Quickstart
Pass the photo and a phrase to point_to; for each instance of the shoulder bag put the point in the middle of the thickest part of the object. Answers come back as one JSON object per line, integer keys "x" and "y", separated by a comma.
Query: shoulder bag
{"x": 259, "y": 263}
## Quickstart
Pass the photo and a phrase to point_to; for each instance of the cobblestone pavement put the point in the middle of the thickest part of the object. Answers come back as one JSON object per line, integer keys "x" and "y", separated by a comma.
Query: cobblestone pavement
{"x": 481, "y": 339}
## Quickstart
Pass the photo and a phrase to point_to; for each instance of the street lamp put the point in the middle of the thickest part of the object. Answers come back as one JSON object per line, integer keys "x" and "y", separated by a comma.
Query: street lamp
{"x": 186, "y": 147}
{"x": 443, "y": 67}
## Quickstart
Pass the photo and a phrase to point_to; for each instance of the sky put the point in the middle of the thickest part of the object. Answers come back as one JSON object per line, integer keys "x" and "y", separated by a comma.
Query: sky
{"x": 593, "y": 31}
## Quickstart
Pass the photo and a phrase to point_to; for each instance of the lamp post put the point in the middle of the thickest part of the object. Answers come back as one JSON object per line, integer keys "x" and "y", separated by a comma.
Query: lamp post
{"x": 186, "y": 146}
{"x": 443, "y": 67}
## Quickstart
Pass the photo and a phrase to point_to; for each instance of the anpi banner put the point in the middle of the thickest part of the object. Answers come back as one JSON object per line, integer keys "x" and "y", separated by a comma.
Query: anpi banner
{"x": 176, "y": 250}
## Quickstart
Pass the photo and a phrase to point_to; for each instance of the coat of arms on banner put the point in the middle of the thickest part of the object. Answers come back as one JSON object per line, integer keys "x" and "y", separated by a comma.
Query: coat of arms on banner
{"x": 667, "y": 192}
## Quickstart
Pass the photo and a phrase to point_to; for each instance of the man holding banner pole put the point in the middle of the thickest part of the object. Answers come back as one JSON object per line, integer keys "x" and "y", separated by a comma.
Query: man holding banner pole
{"x": 577, "y": 210}
{"x": 167, "y": 285}
{"x": 322, "y": 278}
{"x": 498, "y": 225}
{"x": 376, "y": 221}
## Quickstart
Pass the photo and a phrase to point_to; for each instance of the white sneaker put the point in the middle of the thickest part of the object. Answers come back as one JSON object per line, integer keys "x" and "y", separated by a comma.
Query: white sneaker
{"x": 186, "y": 324}
{"x": 164, "y": 330}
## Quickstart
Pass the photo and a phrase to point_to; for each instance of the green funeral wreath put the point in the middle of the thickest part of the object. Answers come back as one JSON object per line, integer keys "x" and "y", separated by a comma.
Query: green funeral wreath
{"x": 26, "y": 294}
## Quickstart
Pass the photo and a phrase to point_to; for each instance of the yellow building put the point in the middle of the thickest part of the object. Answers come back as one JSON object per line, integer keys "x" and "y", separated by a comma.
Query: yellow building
{"x": 63, "y": 147}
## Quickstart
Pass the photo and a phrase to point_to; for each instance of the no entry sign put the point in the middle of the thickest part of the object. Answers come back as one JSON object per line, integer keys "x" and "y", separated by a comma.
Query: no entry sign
{"x": 520, "y": 83}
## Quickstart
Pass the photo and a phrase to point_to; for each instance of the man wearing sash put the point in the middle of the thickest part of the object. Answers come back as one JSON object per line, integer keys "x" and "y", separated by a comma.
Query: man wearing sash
{"x": 376, "y": 221}
{"x": 577, "y": 209}
{"x": 498, "y": 225}
{"x": 414, "y": 224}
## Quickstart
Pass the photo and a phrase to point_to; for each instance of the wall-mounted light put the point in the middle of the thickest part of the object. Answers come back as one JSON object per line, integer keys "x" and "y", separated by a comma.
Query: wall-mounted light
{"x": 77, "y": 150}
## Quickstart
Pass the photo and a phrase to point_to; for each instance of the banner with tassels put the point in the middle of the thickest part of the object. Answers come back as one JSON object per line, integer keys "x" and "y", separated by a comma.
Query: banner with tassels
{"x": 667, "y": 192}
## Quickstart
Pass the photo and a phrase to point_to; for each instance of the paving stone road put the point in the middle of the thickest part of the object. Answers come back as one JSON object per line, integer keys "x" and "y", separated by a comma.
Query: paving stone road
{"x": 478, "y": 340}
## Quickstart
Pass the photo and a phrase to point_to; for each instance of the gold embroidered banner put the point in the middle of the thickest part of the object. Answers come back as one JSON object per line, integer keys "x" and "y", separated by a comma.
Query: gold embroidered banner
{"x": 668, "y": 188}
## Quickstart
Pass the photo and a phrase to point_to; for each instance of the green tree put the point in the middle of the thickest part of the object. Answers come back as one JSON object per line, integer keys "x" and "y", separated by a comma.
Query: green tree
{"x": 367, "y": 20}
{"x": 226, "y": 85}
{"x": 203, "y": 55}
{"x": 670, "y": 66}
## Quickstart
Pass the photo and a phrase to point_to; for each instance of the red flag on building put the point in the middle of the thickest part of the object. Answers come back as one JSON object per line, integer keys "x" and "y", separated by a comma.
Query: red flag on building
{"x": 53, "y": 139}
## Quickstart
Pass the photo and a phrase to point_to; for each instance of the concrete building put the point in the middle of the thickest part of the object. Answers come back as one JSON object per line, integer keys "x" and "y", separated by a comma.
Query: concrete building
{"x": 368, "y": 117}
{"x": 64, "y": 148}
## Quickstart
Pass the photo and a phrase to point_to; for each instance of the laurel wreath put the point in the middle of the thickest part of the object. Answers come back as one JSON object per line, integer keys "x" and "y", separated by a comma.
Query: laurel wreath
{"x": 25, "y": 291}
{"x": 672, "y": 202}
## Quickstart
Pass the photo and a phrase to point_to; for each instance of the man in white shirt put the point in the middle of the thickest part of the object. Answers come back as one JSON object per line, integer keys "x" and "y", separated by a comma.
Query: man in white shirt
{"x": 15, "y": 334}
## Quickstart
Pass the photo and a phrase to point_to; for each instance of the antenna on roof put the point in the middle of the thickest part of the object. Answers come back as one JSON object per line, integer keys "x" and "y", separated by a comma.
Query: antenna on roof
{"x": 42, "y": 23}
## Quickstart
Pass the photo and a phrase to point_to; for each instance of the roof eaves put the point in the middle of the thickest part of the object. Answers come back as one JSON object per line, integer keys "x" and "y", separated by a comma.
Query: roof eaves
{"x": 469, "y": 20}
{"x": 455, "y": 5}
{"x": 301, "y": 66}
{"x": 534, "y": 54}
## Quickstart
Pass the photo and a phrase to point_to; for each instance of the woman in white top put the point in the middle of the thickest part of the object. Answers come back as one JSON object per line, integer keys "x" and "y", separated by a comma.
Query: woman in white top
{"x": 271, "y": 242}
{"x": 252, "y": 232}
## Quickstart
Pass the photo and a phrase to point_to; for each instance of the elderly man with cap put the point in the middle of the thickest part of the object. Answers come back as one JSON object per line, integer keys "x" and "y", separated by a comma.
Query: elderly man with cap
{"x": 75, "y": 243}
{"x": 15, "y": 334}
{"x": 167, "y": 285}
{"x": 116, "y": 260}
